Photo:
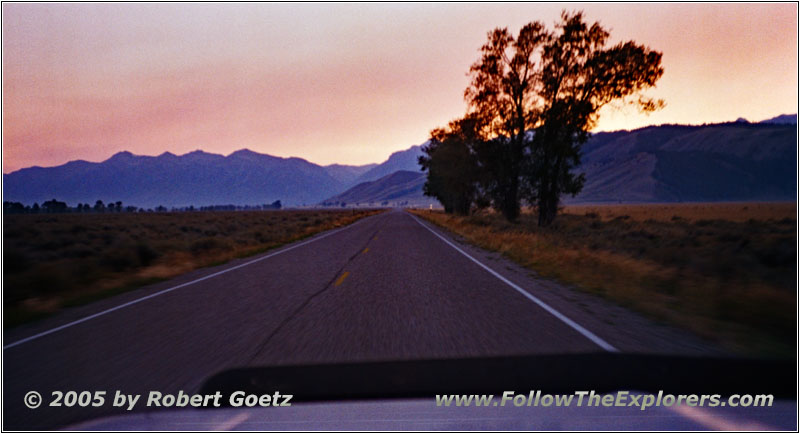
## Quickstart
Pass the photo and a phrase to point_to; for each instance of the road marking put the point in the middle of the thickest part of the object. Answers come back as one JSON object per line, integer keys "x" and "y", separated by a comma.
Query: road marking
{"x": 366, "y": 249}
{"x": 164, "y": 291}
{"x": 341, "y": 278}
{"x": 577, "y": 327}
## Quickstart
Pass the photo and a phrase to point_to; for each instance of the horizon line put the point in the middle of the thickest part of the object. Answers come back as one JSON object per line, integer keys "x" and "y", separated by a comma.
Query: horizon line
{"x": 739, "y": 120}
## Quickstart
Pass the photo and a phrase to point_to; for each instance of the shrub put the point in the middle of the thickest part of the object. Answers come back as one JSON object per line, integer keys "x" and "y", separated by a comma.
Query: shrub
{"x": 146, "y": 253}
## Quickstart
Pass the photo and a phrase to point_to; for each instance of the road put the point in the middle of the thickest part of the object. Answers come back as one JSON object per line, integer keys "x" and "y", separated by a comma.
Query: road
{"x": 388, "y": 287}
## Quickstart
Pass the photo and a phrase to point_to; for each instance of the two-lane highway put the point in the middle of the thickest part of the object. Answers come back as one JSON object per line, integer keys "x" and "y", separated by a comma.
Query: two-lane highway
{"x": 388, "y": 287}
{"x": 407, "y": 295}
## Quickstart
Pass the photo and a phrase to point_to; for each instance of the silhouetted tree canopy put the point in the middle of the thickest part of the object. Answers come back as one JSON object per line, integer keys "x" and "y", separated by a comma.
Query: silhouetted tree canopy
{"x": 453, "y": 173}
{"x": 54, "y": 206}
{"x": 578, "y": 77}
{"x": 532, "y": 101}
{"x": 502, "y": 97}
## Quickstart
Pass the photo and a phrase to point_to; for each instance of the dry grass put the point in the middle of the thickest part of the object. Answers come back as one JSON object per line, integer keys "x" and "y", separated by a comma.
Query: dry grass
{"x": 728, "y": 279}
{"x": 55, "y": 260}
{"x": 732, "y": 211}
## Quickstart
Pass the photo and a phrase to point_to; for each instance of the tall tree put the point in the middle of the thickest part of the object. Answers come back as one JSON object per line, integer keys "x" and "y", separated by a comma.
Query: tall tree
{"x": 450, "y": 162}
{"x": 578, "y": 77}
{"x": 502, "y": 96}
{"x": 537, "y": 96}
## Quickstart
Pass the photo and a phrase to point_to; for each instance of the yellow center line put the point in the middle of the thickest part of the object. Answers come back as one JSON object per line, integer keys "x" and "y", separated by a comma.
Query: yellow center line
{"x": 341, "y": 278}
{"x": 366, "y": 249}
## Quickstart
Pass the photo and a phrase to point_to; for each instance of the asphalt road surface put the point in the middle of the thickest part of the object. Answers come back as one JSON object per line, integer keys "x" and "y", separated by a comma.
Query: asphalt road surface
{"x": 388, "y": 287}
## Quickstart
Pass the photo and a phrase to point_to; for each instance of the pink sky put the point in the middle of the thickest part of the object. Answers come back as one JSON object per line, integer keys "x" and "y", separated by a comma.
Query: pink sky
{"x": 337, "y": 83}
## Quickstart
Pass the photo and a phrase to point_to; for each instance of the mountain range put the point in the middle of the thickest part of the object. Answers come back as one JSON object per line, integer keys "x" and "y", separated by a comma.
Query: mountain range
{"x": 197, "y": 178}
{"x": 401, "y": 160}
{"x": 737, "y": 161}
{"x": 782, "y": 119}
{"x": 402, "y": 186}
{"x": 348, "y": 175}
{"x": 676, "y": 163}
{"x": 667, "y": 163}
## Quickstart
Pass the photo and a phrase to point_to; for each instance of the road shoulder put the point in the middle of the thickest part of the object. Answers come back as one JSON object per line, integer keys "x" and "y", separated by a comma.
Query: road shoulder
{"x": 623, "y": 328}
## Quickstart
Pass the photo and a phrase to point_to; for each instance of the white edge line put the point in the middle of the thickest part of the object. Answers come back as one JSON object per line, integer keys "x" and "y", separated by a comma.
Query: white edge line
{"x": 589, "y": 335}
{"x": 164, "y": 291}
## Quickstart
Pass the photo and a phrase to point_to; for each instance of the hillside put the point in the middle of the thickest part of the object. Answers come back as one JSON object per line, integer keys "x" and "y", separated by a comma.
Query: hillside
{"x": 197, "y": 178}
{"x": 737, "y": 161}
{"x": 347, "y": 175}
{"x": 669, "y": 163}
{"x": 673, "y": 163}
{"x": 782, "y": 119}
{"x": 401, "y": 160}
{"x": 395, "y": 189}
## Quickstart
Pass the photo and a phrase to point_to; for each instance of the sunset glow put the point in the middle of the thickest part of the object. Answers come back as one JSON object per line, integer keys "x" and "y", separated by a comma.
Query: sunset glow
{"x": 337, "y": 83}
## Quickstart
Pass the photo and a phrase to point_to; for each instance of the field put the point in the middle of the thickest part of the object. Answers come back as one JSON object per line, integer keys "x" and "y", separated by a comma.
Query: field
{"x": 737, "y": 212}
{"x": 725, "y": 271}
{"x": 52, "y": 261}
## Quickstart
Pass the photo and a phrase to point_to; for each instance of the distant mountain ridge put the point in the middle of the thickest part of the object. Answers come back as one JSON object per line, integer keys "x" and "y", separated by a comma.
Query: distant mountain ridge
{"x": 674, "y": 163}
{"x": 197, "y": 178}
{"x": 668, "y": 163}
{"x": 347, "y": 174}
{"x": 401, "y": 160}
{"x": 782, "y": 119}
{"x": 392, "y": 189}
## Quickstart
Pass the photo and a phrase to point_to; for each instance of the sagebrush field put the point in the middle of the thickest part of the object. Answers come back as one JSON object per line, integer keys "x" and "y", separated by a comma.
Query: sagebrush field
{"x": 725, "y": 271}
{"x": 55, "y": 260}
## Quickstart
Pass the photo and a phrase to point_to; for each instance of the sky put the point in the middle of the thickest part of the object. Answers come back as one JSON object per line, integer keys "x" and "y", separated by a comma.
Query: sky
{"x": 338, "y": 83}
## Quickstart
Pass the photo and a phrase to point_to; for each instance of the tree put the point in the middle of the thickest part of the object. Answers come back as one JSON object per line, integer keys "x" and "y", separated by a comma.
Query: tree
{"x": 502, "y": 97}
{"x": 13, "y": 207}
{"x": 578, "y": 77}
{"x": 54, "y": 206}
{"x": 99, "y": 206}
{"x": 449, "y": 159}
{"x": 536, "y": 98}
